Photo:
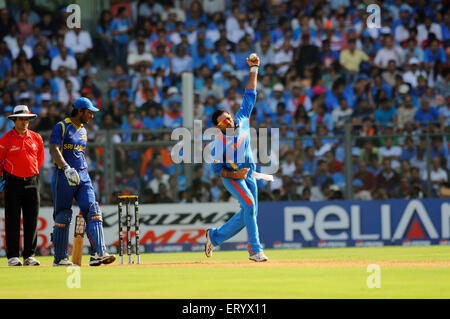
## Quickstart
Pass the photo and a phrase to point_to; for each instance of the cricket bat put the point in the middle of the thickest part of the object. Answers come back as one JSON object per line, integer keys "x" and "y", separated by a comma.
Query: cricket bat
{"x": 78, "y": 238}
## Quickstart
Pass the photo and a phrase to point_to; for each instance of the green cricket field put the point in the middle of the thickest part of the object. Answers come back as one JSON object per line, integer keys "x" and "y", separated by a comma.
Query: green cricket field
{"x": 313, "y": 273}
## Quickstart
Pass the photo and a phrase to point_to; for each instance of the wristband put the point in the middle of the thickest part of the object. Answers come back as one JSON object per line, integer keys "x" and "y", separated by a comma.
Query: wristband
{"x": 254, "y": 68}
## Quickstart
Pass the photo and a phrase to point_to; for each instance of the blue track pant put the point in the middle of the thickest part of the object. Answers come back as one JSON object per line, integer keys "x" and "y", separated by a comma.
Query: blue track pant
{"x": 246, "y": 192}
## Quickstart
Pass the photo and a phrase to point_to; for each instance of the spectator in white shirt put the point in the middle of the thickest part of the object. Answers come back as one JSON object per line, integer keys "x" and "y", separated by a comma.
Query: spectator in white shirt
{"x": 141, "y": 57}
{"x": 288, "y": 166}
{"x": 80, "y": 42}
{"x": 341, "y": 114}
{"x": 283, "y": 59}
{"x": 264, "y": 50}
{"x": 413, "y": 72}
{"x": 438, "y": 176}
{"x": 182, "y": 61}
{"x": 428, "y": 27}
{"x": 21, "y": 46}
{"x": 231, "y": 23}
{"x": 241, "y": 30}
{"x": 388, "y": 52}
{"x": 64, "y": 59}
{"x": 391, "y": 152}
{"x": 401, "y": 31}
{"x": 63, "y": 75}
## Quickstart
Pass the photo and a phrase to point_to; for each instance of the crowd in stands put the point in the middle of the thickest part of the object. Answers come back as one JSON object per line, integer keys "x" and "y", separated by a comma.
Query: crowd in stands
{"x": 321, "y": 68}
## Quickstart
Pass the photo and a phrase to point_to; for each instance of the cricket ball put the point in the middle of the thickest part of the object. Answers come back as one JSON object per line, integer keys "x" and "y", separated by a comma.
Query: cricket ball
{"x": 253, "y": 57}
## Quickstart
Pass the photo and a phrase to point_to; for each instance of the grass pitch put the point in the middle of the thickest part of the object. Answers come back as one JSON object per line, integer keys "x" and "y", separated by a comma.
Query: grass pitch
{"x": 405, "y": 272}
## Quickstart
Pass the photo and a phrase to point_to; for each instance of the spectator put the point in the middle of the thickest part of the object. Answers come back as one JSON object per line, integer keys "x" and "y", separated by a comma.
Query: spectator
{"x": 438, "y": 176}
{"x": 65, "y": 60}
{"x": 412, "y": 51}
{"x": 351, "y": 58}
{"x": 434, "y": 54}
{"x": 426, "y": 113}
{"x": 158, "y": 178}
{"x": 22, "y": 64}
{"x": 341, "y": 115}
{"x": 391, "y": 152}
{"x": 424, "y": 29}
{"x": 131, "y": 183}
{"x": 80, "y": 42}
{"x": 409, "y": 151}
{"x": 173, "y": 116}
{"x": 139, "y": 58}
{"x": 40, "y": 61}
{"x": 358, "y": 192}
{"x": 406, "y": 112}
{"x": 307, "y": 55}
{"x": 153, "y": 121}
{"x": 181, "y": 62}
{"x": 283, "y": 59}
{"x": 288, "y": 167}
{"x": 417, "y": 184}
{"x": 105, "y": 36}
{"x": 25, "y": 27}
{"x": 386, "y": 113}
{"x": 21, "y": 47}
{"x": 367, "y": 178}
{"x": 321, "y": 116}
{"x": 387, "y": 53}
{"x": 388, "y": 178}
{"x": 389, "y": 76}
{"x": 120, "y": 27}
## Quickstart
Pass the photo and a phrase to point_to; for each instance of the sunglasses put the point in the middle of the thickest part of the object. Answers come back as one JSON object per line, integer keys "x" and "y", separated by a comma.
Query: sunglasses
{"x": 222, "y": 123}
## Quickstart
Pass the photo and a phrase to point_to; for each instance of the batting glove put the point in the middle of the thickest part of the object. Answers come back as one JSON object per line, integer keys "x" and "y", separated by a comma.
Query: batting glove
{"x": 71, "y": 175}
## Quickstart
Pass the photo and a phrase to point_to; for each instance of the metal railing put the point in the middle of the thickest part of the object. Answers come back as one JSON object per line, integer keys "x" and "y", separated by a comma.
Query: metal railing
{"x": 152, "y": 138}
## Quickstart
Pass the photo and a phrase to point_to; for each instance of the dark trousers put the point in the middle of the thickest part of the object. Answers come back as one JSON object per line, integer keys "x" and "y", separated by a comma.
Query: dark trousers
{"x": 21, "y": 196}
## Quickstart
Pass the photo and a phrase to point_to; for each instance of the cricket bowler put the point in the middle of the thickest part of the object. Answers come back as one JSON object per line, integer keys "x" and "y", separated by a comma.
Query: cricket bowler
{"x": 233, "y": 162}
{"x": 71, "y": 180}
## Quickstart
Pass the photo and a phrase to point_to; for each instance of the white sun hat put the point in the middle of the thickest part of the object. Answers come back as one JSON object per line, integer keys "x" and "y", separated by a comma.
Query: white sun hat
{"x": 22, "y": 111}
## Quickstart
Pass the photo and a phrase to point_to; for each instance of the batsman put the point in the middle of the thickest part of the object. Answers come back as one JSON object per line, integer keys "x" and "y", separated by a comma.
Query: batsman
{"x": 71, "y": 180}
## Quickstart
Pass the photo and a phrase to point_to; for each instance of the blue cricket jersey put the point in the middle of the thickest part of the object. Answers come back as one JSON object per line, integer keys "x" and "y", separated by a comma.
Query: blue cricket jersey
{"x": 71, "y": 141}
{"x": 234, "y": 152}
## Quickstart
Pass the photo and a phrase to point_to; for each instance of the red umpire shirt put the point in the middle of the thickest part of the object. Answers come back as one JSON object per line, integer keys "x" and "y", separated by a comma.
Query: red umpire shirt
{"x": 21, "y": 156}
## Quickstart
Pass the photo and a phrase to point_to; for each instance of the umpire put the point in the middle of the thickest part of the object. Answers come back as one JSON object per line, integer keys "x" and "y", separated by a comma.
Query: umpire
{"x": 21, "y": 157}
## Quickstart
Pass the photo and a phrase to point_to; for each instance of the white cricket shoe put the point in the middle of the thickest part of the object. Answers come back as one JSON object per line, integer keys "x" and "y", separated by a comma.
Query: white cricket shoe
{"x": 31, "y": 261}
{"x": 64, "y": 262}
{"x": 208, "y": 246}
{"x": 97, "y": 260}
{"x": 14, "y": 261}
{"x": 258, "y": 257}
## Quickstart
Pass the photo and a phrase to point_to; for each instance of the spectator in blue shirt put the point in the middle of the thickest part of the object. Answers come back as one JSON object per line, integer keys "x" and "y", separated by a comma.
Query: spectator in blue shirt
{"x": 202, "y": 57}
{"x": 120, "y": 27}
{"x": 161, "y": 60}
{"x": 409, "y": 151}
{"x": 153, "y": 121}
{"x": 434, "y": 53}
{"x": 281, "y": 116}
{"x": 321, "y": 117}
{"x": 105, "y": 36}
{"x": 426, "y": 113}
{"x": 385, "y": 113}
